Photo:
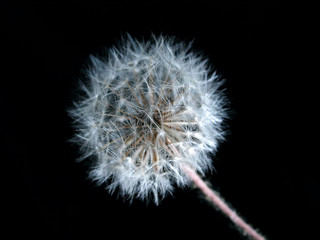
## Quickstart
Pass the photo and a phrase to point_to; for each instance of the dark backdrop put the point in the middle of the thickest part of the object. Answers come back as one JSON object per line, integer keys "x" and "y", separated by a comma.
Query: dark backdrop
{"x": 260, "y": 169}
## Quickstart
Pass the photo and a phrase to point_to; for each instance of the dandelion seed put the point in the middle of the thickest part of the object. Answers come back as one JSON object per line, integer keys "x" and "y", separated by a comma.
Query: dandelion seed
{"x": 151, "y": 113}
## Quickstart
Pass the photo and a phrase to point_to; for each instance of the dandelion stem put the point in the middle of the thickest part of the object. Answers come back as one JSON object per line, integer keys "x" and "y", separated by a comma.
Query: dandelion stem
{"x": 218, "y": 202}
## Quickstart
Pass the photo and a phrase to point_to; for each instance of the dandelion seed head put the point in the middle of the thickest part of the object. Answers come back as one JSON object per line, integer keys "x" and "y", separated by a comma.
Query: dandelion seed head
{"x": 149, "y": 110}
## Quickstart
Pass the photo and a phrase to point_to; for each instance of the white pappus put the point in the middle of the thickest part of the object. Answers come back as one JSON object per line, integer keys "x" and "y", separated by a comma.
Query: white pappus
{"x": 148, "y": 111}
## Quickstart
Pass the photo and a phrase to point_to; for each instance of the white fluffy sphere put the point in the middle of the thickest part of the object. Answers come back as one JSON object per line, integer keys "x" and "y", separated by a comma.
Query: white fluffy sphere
{"x": 149, "y": 110}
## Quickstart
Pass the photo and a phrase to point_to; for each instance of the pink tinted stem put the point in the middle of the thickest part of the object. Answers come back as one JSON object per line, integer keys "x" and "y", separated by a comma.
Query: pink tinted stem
{"x": 223, "y": 207}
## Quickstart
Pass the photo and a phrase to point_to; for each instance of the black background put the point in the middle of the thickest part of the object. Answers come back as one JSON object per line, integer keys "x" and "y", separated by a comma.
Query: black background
{"x": 261, "y": 169}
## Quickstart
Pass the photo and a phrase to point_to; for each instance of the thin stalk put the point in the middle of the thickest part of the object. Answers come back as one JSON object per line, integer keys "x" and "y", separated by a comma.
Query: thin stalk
{"x": 218, "y": 202}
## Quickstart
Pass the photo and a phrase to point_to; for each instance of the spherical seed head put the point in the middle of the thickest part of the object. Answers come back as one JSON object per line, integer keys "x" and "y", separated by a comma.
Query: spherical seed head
{"x": 150, "y": 110}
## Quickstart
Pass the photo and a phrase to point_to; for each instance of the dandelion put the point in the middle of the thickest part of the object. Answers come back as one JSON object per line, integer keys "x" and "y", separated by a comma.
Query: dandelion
{"x": 149, "y": 117}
